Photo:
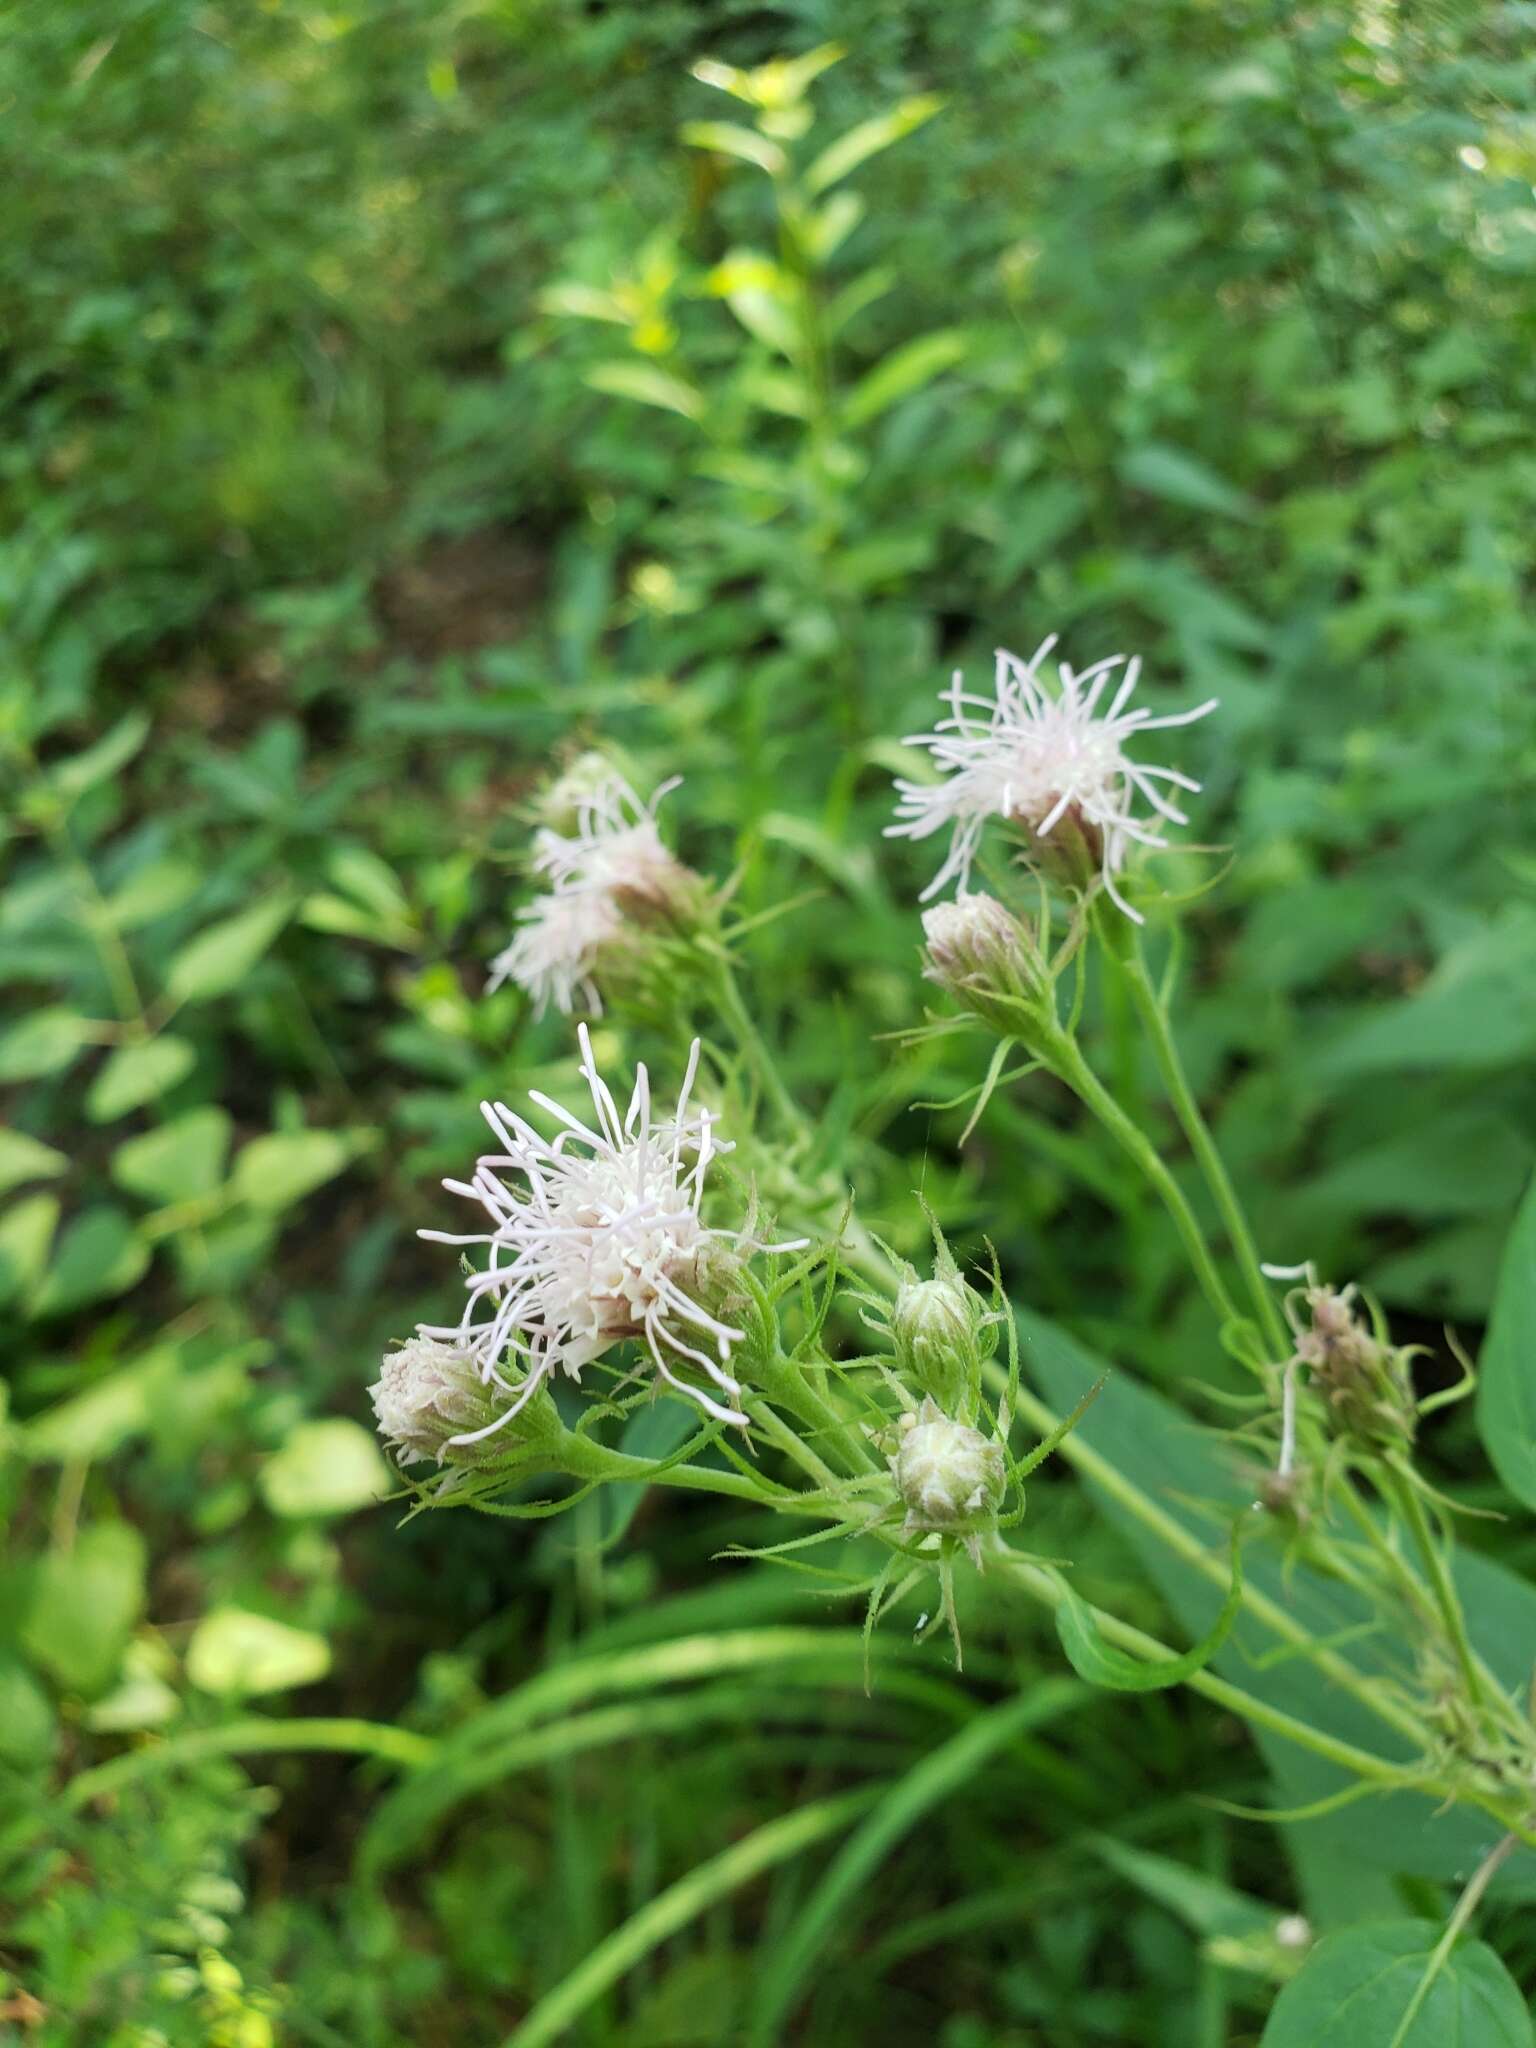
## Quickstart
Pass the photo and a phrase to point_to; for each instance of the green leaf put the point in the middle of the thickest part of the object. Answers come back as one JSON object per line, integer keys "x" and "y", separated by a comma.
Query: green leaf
{"x": 179, "y": 1161}
{"x": 729, "y": 138}
{"x": 135, "y": 1074}
{"x": 236, "y": 1653}
{"x": 100, "y": 1255}
{"x": 1206, "y": 1905}
{"x": 1192, "y": 1476}
{"x": 26, "y": 1234}
{"x": 84, "y": 1604}
{"x": 43, "y": 1043}
{"x": 23, "y": 1159}
{"x": 100, "y": 1420}
{"x": 220, "y": 957}
{"x": 1171, "y": 474}
{"x": 1365, "y": 1988}
{"x": 647, "y": 384}
{"x": 766, "y": 318}
{"x": 27, "y": 1722}
{"x": 141, "y": 1698}
{"x": 868, "y": 139}
{"x": 112, "y": 751}
{"x": 1478, "y": 1009}
{"x": 326, "y": 1468}
{"x": 1506, "y": 1388}
{"x": 280, "y": 1169}
{"x": 152, "y": 891}
{"x": 1102, "y": 1664}
{"x": 904, "y": 370}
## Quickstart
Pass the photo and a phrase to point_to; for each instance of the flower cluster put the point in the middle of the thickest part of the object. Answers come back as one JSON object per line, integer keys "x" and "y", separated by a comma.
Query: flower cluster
{"x": 610, "y": 869}
{"x": 1048, "y": 760}
{"x": 595, "y": 1235}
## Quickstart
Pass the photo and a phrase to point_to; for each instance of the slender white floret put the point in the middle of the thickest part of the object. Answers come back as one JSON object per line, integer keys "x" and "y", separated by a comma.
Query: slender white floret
{"x": 610, "y": 868}
{"x": 595, "y": 1235}
{"x": 615, "y": 847}
{"x": 555, "y": 950}
{"x": 1035, "y": 755}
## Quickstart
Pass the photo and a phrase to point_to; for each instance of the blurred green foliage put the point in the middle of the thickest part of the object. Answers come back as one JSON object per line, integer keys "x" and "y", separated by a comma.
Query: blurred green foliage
{"x": 398, "y": 395}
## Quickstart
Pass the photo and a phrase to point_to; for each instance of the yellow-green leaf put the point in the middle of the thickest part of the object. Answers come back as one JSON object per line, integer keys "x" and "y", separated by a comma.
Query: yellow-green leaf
{"x": 643, "y": 381}
{"x": 326, "y": 1468}
{"x": 869, "y": 138}
{"x": 219, "y": 958}
{"x": 236, "y": 1653}
{"x": 135, "y": 1074}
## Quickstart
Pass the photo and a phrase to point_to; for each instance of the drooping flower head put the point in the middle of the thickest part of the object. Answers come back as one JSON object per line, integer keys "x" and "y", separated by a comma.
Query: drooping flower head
{"x": 609, "y": 870}
{"x": 595, "y": 1236}
{"x": 1049, "y": 760}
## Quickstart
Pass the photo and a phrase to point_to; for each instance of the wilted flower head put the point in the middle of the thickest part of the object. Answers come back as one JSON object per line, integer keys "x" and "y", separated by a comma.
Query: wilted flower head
{"x": 609, "y": 869}
{"x": 598, "y": 1238}
{"x": 1049, "y": 760}
{"x": 1366, "y": 1380}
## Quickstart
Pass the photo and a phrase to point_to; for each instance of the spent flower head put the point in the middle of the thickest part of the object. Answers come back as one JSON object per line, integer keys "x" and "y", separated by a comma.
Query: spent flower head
{"x": 1051, "y": 761}
{"x": 595, "y": 1236}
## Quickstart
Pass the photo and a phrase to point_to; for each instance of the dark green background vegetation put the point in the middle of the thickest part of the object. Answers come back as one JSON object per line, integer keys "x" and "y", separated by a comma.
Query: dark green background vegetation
{"x": 328, "y": 520}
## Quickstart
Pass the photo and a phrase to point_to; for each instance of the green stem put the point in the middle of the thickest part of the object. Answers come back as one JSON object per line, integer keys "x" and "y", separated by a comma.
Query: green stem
{"x": 1466, "y": 1906}
{"x": 1061, "y": 1054}
{"x": 1165, "y": 1050}
{"x": 1403, "y": 1497}
{"x": 253, "y": 1737}
{"x": 1178, "y": 1539}
{"x": 751, "y": 1042}
{"x": 1043, "y": 1586}
{"x": 787, "y": 1383}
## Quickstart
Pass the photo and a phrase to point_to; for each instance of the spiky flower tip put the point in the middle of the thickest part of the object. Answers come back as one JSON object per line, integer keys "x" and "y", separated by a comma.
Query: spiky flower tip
{"x": 1050, "y": 761}
{"x": 608, "y": 871}
{"x": 596, "y": 1236}
{"x": 949, "y": 1476}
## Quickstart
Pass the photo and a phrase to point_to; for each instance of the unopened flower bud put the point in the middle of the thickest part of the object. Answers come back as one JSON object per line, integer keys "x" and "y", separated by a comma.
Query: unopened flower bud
{"x": 934, "y": 1326}
{"x": 982, "y": 956}
{"x": 949, "y": 1476}
{"x": 429, "y": 1393}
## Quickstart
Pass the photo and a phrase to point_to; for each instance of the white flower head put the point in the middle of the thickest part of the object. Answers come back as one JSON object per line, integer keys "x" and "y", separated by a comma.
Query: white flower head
{"x": 615, "y": 847}
{"x": 610, "y": 870}
{"x": 554, "y": 954}
{"x": 595, "y": 1236}
{"x": 1038, "y": 756}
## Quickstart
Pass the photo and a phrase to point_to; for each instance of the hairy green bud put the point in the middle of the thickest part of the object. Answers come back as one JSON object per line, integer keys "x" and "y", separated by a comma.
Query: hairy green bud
{"x": 949, "y": 1476}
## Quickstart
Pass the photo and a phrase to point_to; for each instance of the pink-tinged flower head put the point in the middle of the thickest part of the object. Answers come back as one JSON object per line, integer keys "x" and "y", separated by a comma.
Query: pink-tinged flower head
{"x": 1049, "y": 760}
{"x": 609, "y": 871}
{"x": 595, "y": 1236}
